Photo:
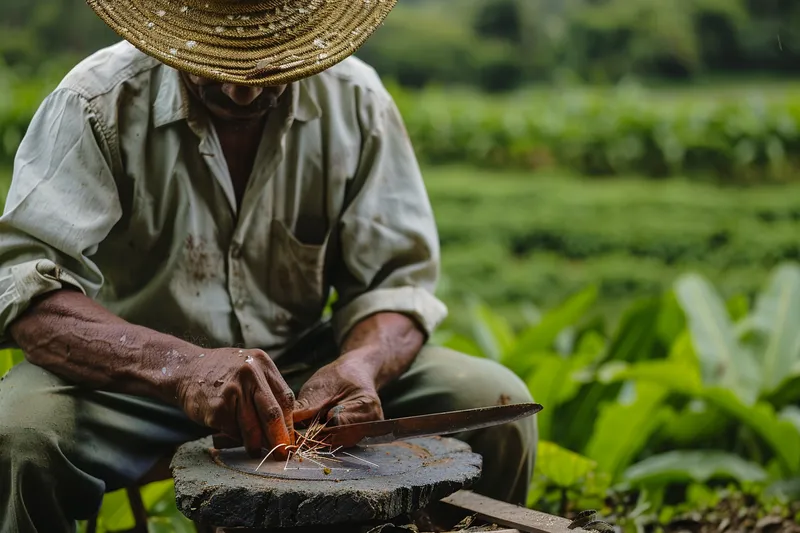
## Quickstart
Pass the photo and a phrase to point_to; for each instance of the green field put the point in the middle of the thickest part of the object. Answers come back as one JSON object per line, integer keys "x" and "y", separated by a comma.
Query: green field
{"x": 513, "y": 238}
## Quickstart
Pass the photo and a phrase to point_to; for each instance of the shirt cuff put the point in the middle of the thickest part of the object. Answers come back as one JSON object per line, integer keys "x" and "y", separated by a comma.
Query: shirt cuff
{"x": 419, "y": 304}
{"x": 21, "y": 283}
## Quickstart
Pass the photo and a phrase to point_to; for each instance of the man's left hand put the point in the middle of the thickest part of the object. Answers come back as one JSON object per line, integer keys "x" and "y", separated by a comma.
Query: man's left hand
{"x": 343, "y": 392}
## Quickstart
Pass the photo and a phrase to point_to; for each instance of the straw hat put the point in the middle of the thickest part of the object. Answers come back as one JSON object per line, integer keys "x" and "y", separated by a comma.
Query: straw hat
{"x": 247, "y": 42}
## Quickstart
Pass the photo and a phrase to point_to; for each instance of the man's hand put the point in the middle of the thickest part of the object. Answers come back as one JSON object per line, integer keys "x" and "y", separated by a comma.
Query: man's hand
{"x": 236, "y": 392}
{"x": 378, "y": 350}
{"x": 343, "y": 392}
{"x": 240, "y": 393}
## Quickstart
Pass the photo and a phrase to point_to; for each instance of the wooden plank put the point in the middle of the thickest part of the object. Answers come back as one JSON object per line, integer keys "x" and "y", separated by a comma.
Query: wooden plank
{"x": 509, "y": 515}
{"x": 494, "y": 531}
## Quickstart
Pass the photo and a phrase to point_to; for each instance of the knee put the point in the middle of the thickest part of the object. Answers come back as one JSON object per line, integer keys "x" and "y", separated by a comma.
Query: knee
{"x": 472, "y": 382}
{"x": 34, "y": 417}
{"x": 23, "y": 446}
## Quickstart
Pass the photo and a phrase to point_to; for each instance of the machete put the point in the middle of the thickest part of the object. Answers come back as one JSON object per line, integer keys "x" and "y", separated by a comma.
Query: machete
{"x": 431, "y": 425}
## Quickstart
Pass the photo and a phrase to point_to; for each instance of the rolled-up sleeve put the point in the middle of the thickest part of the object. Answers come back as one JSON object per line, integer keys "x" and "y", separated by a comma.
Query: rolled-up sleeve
{"x": 390, "y": 257}
{"x": 61, "y": 204}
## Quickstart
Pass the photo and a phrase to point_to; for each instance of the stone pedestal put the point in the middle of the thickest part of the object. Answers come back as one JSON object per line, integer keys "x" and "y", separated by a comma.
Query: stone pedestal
{"x": 376, "y": 483}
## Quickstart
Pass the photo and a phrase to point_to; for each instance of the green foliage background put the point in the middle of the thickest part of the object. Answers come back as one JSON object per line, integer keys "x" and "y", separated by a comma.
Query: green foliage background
{"x": 615, "y": 187}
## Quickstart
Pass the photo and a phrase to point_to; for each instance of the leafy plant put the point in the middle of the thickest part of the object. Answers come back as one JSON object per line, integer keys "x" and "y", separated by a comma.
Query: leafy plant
{"x": 683, "y": 391}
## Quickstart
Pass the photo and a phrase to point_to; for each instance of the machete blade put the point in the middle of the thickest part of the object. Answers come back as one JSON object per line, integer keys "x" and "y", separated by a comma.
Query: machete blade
{"x": 438, "y": 424}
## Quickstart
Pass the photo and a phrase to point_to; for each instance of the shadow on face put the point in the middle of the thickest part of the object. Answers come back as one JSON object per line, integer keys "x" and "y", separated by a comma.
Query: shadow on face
{"x": 227, "y": 101}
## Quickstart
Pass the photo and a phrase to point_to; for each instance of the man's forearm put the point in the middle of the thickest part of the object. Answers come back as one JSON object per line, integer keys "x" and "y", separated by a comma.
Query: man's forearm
{"x": 75, "y": 338}
{"x": 386, "y": 343}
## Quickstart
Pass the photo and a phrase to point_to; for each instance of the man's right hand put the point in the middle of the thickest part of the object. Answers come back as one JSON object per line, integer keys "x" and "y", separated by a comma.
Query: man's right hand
{"x": 239, "y": 393}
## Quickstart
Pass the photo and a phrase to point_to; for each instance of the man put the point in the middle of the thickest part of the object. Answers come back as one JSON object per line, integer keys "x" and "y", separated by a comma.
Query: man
{"x": 181, "y": 208}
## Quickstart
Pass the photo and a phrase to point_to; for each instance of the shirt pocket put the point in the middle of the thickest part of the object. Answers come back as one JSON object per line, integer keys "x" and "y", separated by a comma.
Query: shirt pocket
{"x": 296, "y": 273}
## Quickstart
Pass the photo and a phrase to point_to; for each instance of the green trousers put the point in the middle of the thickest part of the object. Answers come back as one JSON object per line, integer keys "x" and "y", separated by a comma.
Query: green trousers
{"x": 62, "y": 447}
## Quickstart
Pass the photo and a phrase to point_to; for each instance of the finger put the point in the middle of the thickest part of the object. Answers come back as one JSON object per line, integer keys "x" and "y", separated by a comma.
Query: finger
{"x": 272, "y": 422}
{"x": 356, "y": 411}
{"x": 281, "y": 392}
{"x": 309, "y": 406}
{"x": 222, "y": 417}
{"x": 250, "y": 427}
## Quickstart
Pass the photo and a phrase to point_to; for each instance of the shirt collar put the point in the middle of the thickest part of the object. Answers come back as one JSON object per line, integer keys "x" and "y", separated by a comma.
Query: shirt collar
{"x": 172, "y": 101}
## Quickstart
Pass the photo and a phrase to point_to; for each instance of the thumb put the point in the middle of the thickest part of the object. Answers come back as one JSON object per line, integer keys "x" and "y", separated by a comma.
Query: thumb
{"x": 308, "y": 405}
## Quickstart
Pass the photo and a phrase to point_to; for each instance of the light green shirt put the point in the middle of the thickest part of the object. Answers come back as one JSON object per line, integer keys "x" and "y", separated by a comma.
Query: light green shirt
{"x": 120, "y": 188}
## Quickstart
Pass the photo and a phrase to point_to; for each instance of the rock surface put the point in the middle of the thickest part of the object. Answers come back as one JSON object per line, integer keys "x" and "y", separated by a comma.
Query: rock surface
{"x": 223, "y": 490}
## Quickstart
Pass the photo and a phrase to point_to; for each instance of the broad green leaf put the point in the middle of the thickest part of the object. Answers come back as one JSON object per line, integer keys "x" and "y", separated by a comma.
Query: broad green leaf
{"x": 781, "y": 435}
{"x": 592, "y": 342}
{"x": 622, "y": 430}
{"x": 460, "y": 343}
{"x": 491, "y": 332}
{"x": 680, "y": 372}
{"x": 675, "y": 376}
{"x": 671, "y": 319}
{"x": 157, "y": 493}
{"x": 636, "y": 333}
{"x": 545, "y": 383}
{"x": 777, "y": 316}
{"x": 530, "y": 312}
{"x": 499, "y": 326}
{"x": 788, "y": 393}
{"x": 698, "y": 421}
{"x": 552, "y": 382}
{"x": 161, "y": 524}
{"x": 540, "y": 337}
{"x": 115, "y": 513}
{"x": 701, "y": 496}
{"x": 9, "y": 359}
{"x": 722, "y": 360}
{"x": 163, "y": 510}
{"x": 581, "y": 414}
{"x": 562, "y": 467}
{"x": 738, "y": 307}
{"x": 787, "y": 490}
{"x": 682, "y": 352}
{"x": 693, "y": 466}
{"x": 791, "y": 413}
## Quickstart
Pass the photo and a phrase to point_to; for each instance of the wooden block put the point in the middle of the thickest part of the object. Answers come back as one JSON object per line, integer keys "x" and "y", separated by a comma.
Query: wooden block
{"x": 508, "y": 515}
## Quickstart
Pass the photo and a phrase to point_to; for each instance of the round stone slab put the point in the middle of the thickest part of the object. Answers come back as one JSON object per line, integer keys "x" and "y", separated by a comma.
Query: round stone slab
{"x": 376, "y": 483}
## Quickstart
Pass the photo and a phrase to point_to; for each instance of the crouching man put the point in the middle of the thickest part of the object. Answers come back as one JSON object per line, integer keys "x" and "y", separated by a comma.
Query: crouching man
{"x": 181, "y": 208}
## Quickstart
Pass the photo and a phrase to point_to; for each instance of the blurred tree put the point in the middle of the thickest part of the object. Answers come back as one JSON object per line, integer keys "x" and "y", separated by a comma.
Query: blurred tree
{"x": 648, "y": 37}
{"x": 772, "y": 38}
{"x": 35, "y": 32}
{"x": 500, "y": 19}
{"x": 496, "y": 44}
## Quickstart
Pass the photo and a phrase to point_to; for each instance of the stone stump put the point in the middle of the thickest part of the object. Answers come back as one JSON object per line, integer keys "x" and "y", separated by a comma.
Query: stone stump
{"x": 222, "y": 488}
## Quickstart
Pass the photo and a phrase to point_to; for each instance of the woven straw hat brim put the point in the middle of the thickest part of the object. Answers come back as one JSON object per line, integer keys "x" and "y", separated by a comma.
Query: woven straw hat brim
{"x": 246, "y": 42}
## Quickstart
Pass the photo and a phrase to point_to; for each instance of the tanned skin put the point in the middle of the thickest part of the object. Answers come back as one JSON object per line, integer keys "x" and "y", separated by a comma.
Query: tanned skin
{"x": 236, "y": 392}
